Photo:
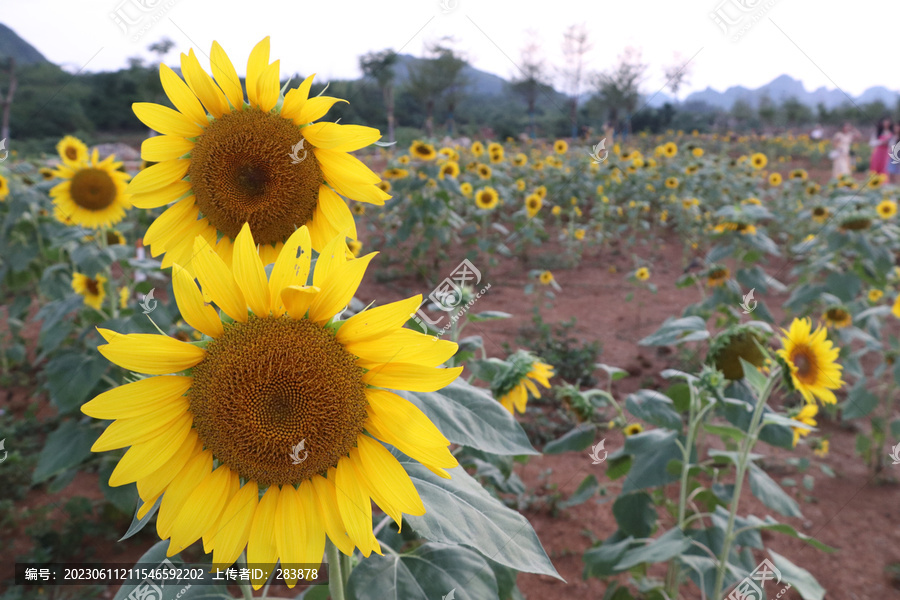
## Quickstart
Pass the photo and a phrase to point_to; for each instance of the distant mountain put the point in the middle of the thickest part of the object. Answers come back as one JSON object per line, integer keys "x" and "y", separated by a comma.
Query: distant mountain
{"x": 11, "y": 45}
{"x": 784, "y": 87}
{"x": 478, "y": 82}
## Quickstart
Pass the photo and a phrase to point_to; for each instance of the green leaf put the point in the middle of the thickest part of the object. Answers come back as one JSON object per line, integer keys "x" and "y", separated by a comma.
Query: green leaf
{"x": 67, "y": 447}
{"x": 615, "y": 373}
{"x": 617, "y": 467}
{"x": 770, "y": 493}
{"x": 860, "y": 403}
{"x": 138, "y": 524}
{"x": 895, "y": 428}
{"x": 72, "y": 377}
{"x": 428, "y": 572}
{"x": 662, "y": 549}
{"x": 601, "y": 561}
{"x": 655, "y": 408}
{"x": 576, "y": 440}
{"x": 677, "y": 331}
{"x": 460, "y": 511}
{"x": 470, "y": 416}
{"x": 651, "y": 452}
{"x": 845, "y": 286}
{"x": 799, "y": 578}
{"x": 172, "y": 590}
{"x": 756, "y": 379}
{"x": 585, "y": 491}
{"x": 635, "y": 514}
{"x": 725, "y": 431}
{"x": 488, "y": 315}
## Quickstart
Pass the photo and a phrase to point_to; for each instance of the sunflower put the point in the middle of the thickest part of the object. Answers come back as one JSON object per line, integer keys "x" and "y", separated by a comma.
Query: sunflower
{"x": 46, "y": 173}
{"x": 717, "y": 276}
{"x": 92, "y": 193}
{"x": 403, "y": 160}
{"x": 124, "y": 296}
{"x": 821, "y": 449}
{"x": 395, "y": 173}
{"x": 691, "y": 169}
{"x": 519, "y": 381}
{"x": 875, "y": 295}
{"x": 496, "y": 157}
{"x": 811, "y": 359}
{"x": 484, "y": 172}
{"x": 277, "y": 376}
{"x": 422, "y": 151}
{"x": 449, "y": 169}
{"x": 642, "y": 274}
{"x": 775, "y": 179}
{"x": 812, "y": 188}
{"x": 560, "y": 146}
{"x": 736, "y": 343}
{"x": 486, "y": 198}
{"x": 545, "y": 277}
{"x": 820, "y": 214}
{"x": 477, "y": 148}
{"x": 805, "y": 416}
{"x": 264, "y": 162}
{"x": 633, "y": 429}
{"x": 856, "y": 222}
{"x": 555, "y": 211}
{"x": 92, "y": 290}
{"x": 887, "y": 209}
{"x": 72, "y": 151}
{"x": 4, "y": 187}
{"x": 520, "y": 160}
{"x": 384, "y": 186}
{"x": 533, "y": 204}
{"x": 355, "y": 246}
{"x": 579, "y": 234}
{"x": 876, "y": 180}
{"x": 837, "y": 317}
{"x": 698, "y": 152}
{"x": 752, "y": 201}
{"x": 358, "y": 209}
{"x": 895, "y": 310}
{"x": 670, "y": 149}
{"x": 520, "y": 184}
{"x": 466, "y": 189}
{"x": 431, "y": 183}
{"x": 758, "y": 160}
{"x": 798, "y": 175}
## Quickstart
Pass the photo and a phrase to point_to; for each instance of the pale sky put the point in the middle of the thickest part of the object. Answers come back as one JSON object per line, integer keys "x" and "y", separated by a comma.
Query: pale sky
{"x": 795, "y": 37}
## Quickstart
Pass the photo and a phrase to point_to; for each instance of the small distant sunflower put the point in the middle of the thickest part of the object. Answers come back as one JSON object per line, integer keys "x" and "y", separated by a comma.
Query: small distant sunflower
{"x": 225, "y": 161}
{"x": 717, "y": 276}
{"x": 560, "y": 146}
{"x": 487, "y": 198}
{"x": 533, "y": 204}
{"x": 812, "y": 361}
{"x": 449, "y": 169}
{"x": 422, "y": 151}
{"x": 887, "y": 209}
{"x": 837, "y": 317}
{"x": 521, "y": 185}
{"x": 670, "y": 149}
{"x": 124, "y": 296}
{"x": 466, "y": 189}
{"x": 642, "y": 274}
{"x": 798, "y": 175}
{"x": 93, "y": 290}
{"x": 556, "y": 211}
{"x": 633, "y": 429}
{"x": 520, "y": 160}
{"x": 358, "y": 209}
{"x": 691, "y": 169}
{"x": 92, "y": 193}
{"x": 813, "y": 188}
{"x": 403, "y": 160}
{"x": 484, "y": 172}
{"x": 384, "y": 186}
{"x": 477, "y": 148}
{"x": 496, "y": 157}
{"x": 518, "y": 380}
{"x": 72, "y": 151}
{"x": 876, "y": 180}
{"x": 46, "y": 173}
{"x": 395, "y": 173}
{"x": 4, "y": 187}
{"x": 579, "y": 234}
{"x": 856, "y": 222}
{"x": 698, "y": 152}
{"x": 752, "y": 201}
{"x": 875, "y": 295}
{"x": 671, "y": 182}
{"x": 355, "y": 246}
{"x": 820, "y": 214}
{"x": 821, "y": 449}
{"x": 806, "y": 416}
{"x": 219, "y": 422}
{"x": 775, "y": 179}
{"x": 431, "y": 183}
{"x": 545, "y": 277}
{"x": 758, "y": 160}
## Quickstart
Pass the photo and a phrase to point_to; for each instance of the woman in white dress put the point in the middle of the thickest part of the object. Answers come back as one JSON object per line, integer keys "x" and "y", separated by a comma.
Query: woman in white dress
{"x": 841, "y": 153}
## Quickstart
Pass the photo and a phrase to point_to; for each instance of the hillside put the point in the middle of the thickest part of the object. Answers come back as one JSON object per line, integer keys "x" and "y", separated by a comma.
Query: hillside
{"x": 11, "y": 45}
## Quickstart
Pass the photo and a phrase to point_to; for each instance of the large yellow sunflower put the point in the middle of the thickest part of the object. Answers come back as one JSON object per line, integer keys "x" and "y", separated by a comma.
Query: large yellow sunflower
{"x": 263, "y": 161}
{"x": 487, "y": 198}
{"x": 92, "y": 193}
{"x": 284, "y": 398}
{"x": 812, "y": 361}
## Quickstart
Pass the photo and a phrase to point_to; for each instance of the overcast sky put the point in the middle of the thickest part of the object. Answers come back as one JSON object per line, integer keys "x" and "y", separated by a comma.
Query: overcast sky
{"x": 844, "y": 45}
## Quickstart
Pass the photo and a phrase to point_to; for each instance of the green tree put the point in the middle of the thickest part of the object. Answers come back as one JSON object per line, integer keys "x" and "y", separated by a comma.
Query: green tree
{"x": 531, "y": 82}
{"x": 436, "y": 76}
{"x": 619, "y": 89}
{"x": 379, "y": 66}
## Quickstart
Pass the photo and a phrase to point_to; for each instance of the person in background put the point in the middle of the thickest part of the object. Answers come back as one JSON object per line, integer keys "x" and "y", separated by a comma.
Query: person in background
{"x": 879, "y": 159}
{"x": 893, "y": 165}
{"x": 841, "y": 152}
{"x": 817, "y": 132}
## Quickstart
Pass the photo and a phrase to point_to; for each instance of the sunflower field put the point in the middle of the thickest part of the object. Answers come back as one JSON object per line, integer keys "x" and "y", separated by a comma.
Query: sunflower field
{"x": 282, "y": 358}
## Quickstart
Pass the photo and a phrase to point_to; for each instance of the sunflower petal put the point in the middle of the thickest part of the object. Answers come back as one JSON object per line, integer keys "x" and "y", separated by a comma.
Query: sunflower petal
{"x": 193, "y": 310}
{"x": 162, "y": 196}
{"x": 405, "y": 346}
{"x": 313, "y": 541}
{"x": 135, "y": 430}
{"x": 326, "y": 497}
{"x": 405, "y": 419}
{"x": 226, "y": 77}
{"x": 295, "y": 99}
{"x": 144, "y": 458}
{"x": 341, "y": 138}
{"x": 159, "y": 175}
{"x": 339, "y": 289}
{"x": 315, "y": 108}
{"x": 297, "y": 299}
{"x": 332, "y": 256}
{"x": 353, "y": 504}
{"x": 411, "y": 377}
{"x": 137, "y": 398}
{"x": 256, "y": 64}
{"x": 201, "y": 509}
{"x": 171, "y": 223}
{"x": 378, "y": 321}
{"x": 389, "y": 484}
{"x": 151, "y": 353}
{"x": 261, "y": 545}
{"x": 181, "y": 96}
{"x": 233, "y": 530}
{"x": 185, "y": 482}
{"x": 268, "y": 87}
{"x": 203, "y": 85}
{"x": 249, "y": 272}
{"x": 291, "y": 267}
{"x": 336, "y": 212}
{"x": 165, "y": 120}
{"x": 155, "y": 483}
{"x": 217, "y": 281}
{"x": 340, "y": 166}
{"x": 290, "y": 528}
{"x": 165, "y": 147}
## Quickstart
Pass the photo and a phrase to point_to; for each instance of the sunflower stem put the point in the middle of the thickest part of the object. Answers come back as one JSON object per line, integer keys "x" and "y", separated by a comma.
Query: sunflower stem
{"x": 335, "y": 571}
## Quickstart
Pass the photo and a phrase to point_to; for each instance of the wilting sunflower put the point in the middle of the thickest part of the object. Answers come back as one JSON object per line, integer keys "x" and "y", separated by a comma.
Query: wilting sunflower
{"x": 449, "y": 169}
{"x": 514, "y": 384}
{"x": 633, "y": 429}
{"x": 820, "y": 214}
{"x": 93, "y": 290}
{"x": 263, "y": 161}
{"x": 484, "y": 172}
{"x": 811, "y": 359}
{"x": 837, "y": 317}
{"x": 671, "y": 182}
{"x": 520, "y": 160}
{"x": 533, "y": 204}
{"x": 775, "y": 179}
{"x": 887, "y": 209}
{"x": 92, "y": 193}
{"x": 486, "y": 198}
{"x": 560, "y": 146}
{"x": 736, "y": 343}
{"x": 422, "y": 151}
{"x": 281, "y": 396}
{"x": 806, "y": 416}
{"x": 4, "y": 187}
{"x": 858, "y": 221}
{"x": 72, "y": 151}
{"x": 466, "y": 189}
{"x": 477, "y": 148}
{"x": 642, "y": 274}
{"x": 717, "y": 276}
{"x": 758, "y": 160}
